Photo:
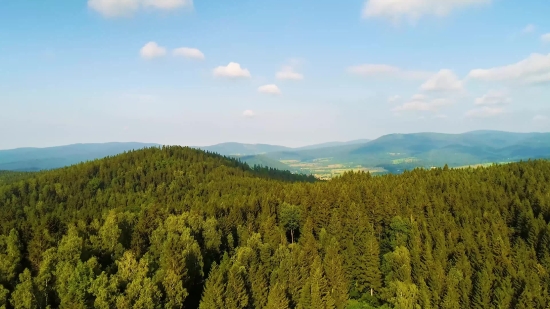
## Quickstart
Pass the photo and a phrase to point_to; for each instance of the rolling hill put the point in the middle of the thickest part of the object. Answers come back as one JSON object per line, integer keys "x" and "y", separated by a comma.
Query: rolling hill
{"x": 241, "y": 149}
{"x": 35, "y": 159}
{"x": 263, "y": 160}
{"x": 390, "y": 153}
{"x": 396, "y": 152}
{"x": 333, "y": 144}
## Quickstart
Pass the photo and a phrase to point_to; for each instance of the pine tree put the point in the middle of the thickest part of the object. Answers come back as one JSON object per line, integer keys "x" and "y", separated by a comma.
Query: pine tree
{"x": 236, "y": 296}
{"x": 320, "y": 297}
{"x": 451, "y": 300}
{"x": 369, "y": 278}
{"x": 334, "y": 270}
{"x": 214, "y": 291}
{"x": 482, "y": 290}
{"x": 277, "y": 298}
{"x": 304, "y": 301}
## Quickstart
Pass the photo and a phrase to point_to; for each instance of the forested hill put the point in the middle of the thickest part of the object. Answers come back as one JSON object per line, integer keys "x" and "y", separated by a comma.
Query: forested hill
{"x": 173, "y": 227}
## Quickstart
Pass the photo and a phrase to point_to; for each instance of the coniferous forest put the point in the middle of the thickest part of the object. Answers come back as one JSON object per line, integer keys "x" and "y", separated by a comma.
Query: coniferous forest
{"x": 174, "y": 227}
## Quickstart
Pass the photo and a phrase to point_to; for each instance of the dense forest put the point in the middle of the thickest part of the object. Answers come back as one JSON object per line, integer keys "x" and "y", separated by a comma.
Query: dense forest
{"x": 174, "y": 227}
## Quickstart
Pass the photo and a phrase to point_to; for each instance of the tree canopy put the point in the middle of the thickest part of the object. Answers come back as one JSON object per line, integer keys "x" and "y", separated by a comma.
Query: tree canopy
{"x": 174, "y": 227}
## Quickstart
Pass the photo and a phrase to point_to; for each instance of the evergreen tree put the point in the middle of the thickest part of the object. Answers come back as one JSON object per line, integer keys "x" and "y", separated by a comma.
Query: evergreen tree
{"x": 236, "y": 295}
{"x": 277, "y": 298}
{"x": 214, "y": 290}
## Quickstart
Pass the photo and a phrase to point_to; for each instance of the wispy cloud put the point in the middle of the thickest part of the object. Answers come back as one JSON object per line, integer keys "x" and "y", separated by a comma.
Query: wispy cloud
{"x": 420, "y": 102}
{"x": 484, "y": 112}
{"x": 398, "y": 10}
{"x": 493, "y": 97}
{"x": 126, "y": 8}
{"x": 534, "y": 69}
{"x": 387, "y": 70}
{"x": 528, "y": 29}
{"x": 187, "y": 52}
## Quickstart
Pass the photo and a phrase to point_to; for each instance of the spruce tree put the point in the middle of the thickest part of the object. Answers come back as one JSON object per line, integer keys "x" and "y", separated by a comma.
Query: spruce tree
{"x": 277, "y": 298}
{"x": 214, "y": 290}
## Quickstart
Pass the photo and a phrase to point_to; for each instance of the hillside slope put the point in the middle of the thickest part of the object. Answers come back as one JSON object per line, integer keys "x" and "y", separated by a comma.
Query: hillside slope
{"x": 174, "y": 227}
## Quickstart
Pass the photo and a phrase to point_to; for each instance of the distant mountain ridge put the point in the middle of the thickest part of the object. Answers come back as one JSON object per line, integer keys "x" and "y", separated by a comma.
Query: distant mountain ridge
{"x": 392, "y": 152}
{"x": 240, "y": 149}
{"x": 35, "y": 159}
{"x": 243, "y": 149}
{"x": 396, "y": 152}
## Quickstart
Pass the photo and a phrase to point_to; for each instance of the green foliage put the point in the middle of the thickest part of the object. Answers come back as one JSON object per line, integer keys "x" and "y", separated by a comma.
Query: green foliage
{"x": 23, "y": 296}
{"x": 290, "y": 218}
{"x": 174, "y": 227}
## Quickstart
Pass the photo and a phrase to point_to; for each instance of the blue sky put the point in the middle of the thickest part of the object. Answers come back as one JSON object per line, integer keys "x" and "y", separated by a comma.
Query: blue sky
{"x": 281, "y": 72}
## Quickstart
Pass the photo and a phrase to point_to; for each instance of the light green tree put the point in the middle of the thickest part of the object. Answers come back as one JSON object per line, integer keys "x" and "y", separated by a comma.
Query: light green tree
{"x": 289, "y": 217}
{"x": 277, "y": 298}
{"x": 23, "y": 296}
{"x": 10, "y": 256}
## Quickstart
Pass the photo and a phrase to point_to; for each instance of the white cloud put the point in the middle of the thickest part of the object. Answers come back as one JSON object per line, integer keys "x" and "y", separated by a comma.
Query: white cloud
{"x": 386, "y": 70}
{"x": 114, "y": 8}
{"x": 191, "y": 53}
{"x": 248, "y": 113}
{"x": 119, "y": 8}
{"x": 394, "y": 98}
{"x": 545, "y": 38}
{"x": 534, "y": 69}
{"x": 484, "y": 112}
{"x": 493, "y": 97}
{"x": 528, "y": 29}
{"x": 540, "y": 118}
{"x": 420, "y": 103}
{"x": 269, "y": 89}
{"x": 232, "y": 70}
{"x": 287, "y": 72}
{"x": 418, "y": 97}
{"x": 152, "y": 50}
{"x": 396, "y": 10}
{"x": 167, "y": 4}
{"x": 444, "y": 80}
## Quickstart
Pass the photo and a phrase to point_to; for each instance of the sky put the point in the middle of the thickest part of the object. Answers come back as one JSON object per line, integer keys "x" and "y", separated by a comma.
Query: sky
{"x": 292, "y": 73}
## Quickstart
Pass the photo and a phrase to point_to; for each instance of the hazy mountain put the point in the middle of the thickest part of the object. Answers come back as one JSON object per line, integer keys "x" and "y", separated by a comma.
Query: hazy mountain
{"x": 333, "y": 144}
{"x": 263, "y": 160}
{"x": 393, "y": 152}
{"x": 398, "y": 151}
{"x": 239, "y": 149}
{"x": 34, "y": 159}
